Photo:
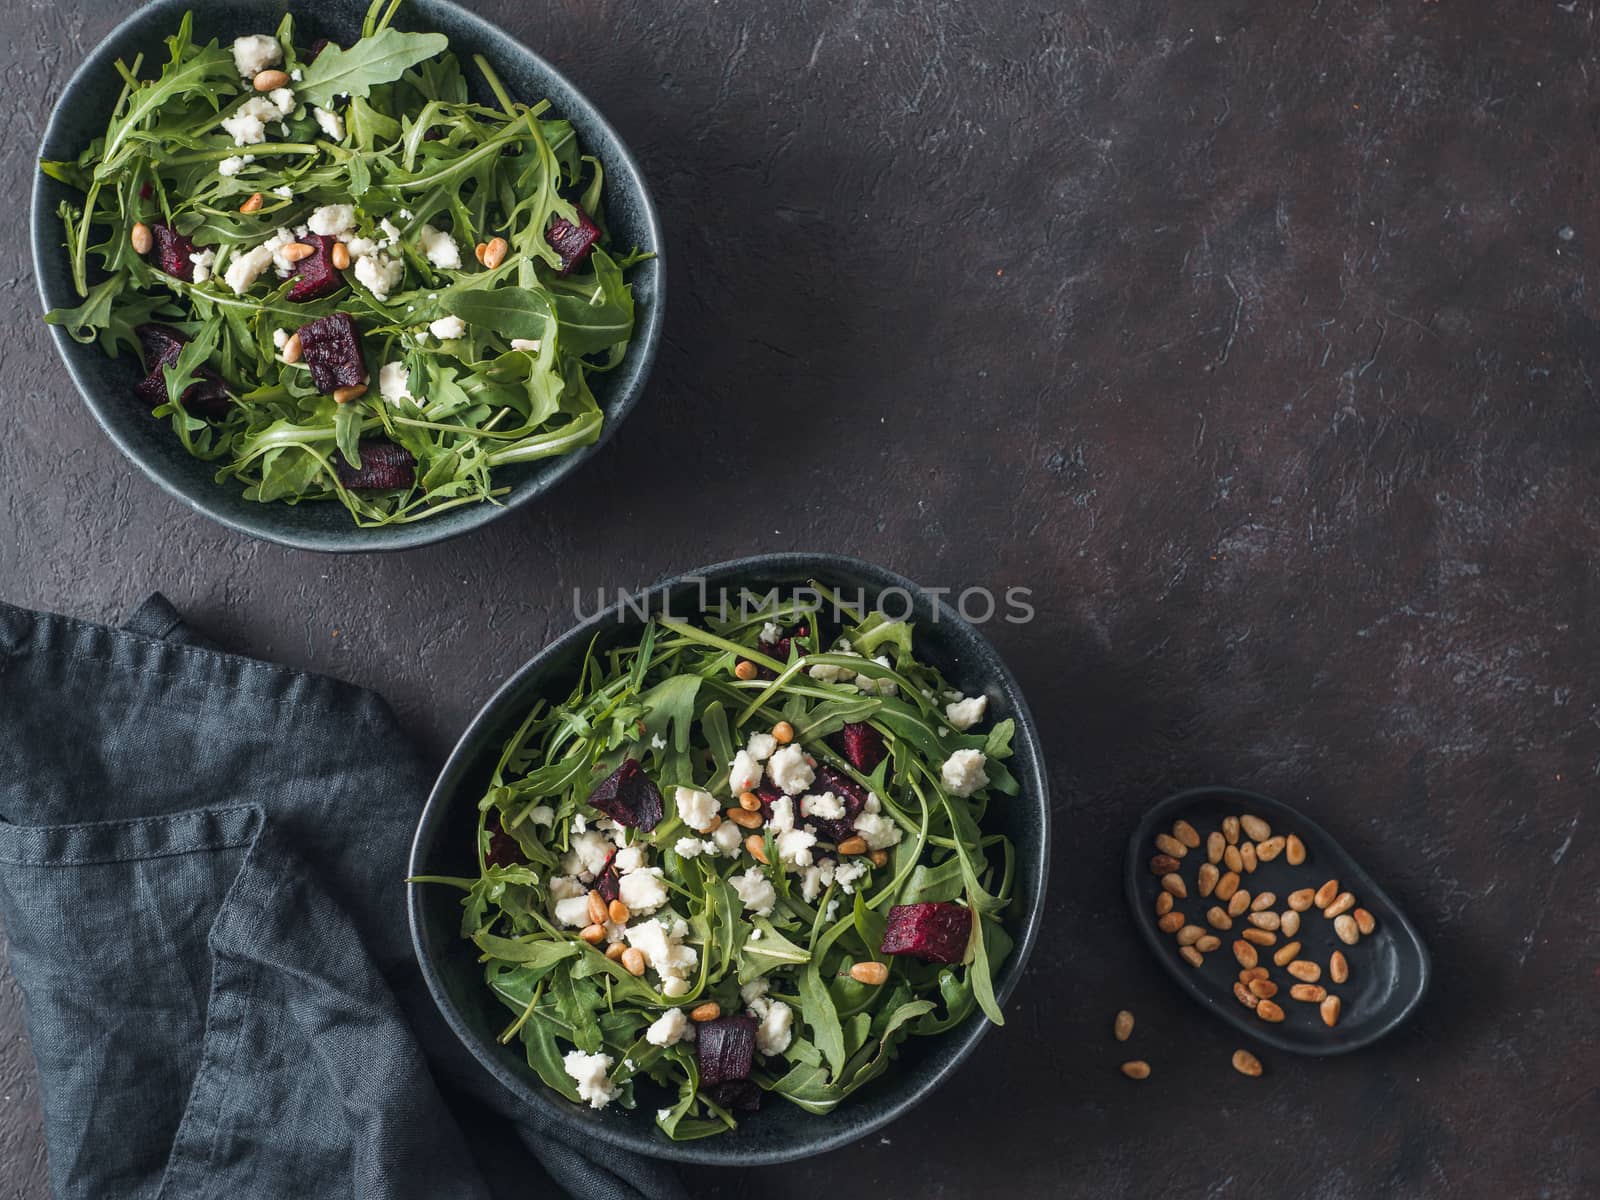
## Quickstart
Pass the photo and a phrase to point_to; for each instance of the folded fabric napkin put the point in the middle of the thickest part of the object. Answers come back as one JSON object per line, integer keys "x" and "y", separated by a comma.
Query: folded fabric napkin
{"x": 201, "y": 878}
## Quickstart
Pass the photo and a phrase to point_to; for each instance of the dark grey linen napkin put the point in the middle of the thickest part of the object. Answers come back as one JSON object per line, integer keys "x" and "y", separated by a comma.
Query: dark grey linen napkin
{"x": 201, "y": 878}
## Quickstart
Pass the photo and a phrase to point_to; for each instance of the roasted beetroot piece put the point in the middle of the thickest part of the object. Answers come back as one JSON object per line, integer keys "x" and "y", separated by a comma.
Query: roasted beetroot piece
{"x": 206, "y": 397}
{"x": 932, "y": 932}
{"x": 861, "y": 745}
{"x": 331, "y": 347}
{"x": 503, "y": 849}
{"x": 572, "y": 242}
{"x": 779, "y": 649}
{"x": 724, "y": 1049}
{"x": 384, "y": 466}
{"x": 854, "y": 797}
{"x": 170, "y": 252}
{"x": 315, "y": 274}
{"x": 629, "y": 798}
{"x": 608, "y": 883}
{"x": 740, "y": 1095}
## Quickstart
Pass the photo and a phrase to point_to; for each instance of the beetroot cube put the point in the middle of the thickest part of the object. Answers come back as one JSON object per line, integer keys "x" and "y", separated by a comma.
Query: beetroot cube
{"x": 780, "y": 649}
{"x": 861, "y": 745}
{"x": 609, "y": 883}
{"x": 841, "y": 785}
{"x": 206, "y": 397}
{"x": 932, "y": 932}
{"x": 170, "y": 252}
{"x": 503, "y": 849}
{"x": 384, "y": 466}
{"x": 315, "y": 274}
{"x": 331, "y": 347}
{"x": 573, "y": 242}
{"x": 739, "y": 1094}
{"x": 724, "y": 1049}
{"x": 629, "y": 798}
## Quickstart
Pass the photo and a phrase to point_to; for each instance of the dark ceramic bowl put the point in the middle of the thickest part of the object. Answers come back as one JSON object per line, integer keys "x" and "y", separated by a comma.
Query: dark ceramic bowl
{"x": 81, "y": 115}
{"x": 780, "y": 1131}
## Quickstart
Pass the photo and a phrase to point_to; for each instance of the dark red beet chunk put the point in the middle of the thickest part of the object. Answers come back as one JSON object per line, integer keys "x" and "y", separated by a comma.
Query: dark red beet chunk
{"x": 331, "y": 347}
{"x": 724, "y": 1049}
{"x": 932, "y": 932}
{"x": 573, "y": 242}
{"x": 170, "y": 252}
{"x": 740, "y": 1094}
{"x": 315, "y": 274}
{"x": 206, "y": 397}
{"x": 629, "y": 798}
{"x": 384, "y": 465}
{"x": 862, "y": 746}
{"x": 780, "y": 649}
{"x": 608, "y": 883}
{"x": 841, "y": 785}
{"x": 503, "y": 849}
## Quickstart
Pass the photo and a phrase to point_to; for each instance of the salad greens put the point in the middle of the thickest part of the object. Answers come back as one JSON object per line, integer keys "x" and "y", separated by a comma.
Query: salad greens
{"x": 700, "y": 711}
{"x": 381, "y": 147}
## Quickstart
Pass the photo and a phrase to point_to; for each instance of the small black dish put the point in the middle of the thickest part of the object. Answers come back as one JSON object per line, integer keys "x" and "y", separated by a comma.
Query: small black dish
{"x": 1389, "y": 968}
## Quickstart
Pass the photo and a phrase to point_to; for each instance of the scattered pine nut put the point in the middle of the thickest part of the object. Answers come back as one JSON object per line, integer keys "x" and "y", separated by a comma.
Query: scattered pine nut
{"x": 1239, "y": 903}
{"x": 1265, "y": 920}
{"x": 1255, "y": 828}
{"x": 1308, "y": 993}
{"x": 1226, "y": 886}
{"x": 749, "y": 801}
{"x": 618, "y": 912}
{"x": 1264, "y": 989}
{"x": 1188, "y": 935}
{"x": 1230, "y": 830}
{"x": 1261, "y": 937}
{"x": 743, "y": 819}
{"x": 1304, "y": 970}
{"x": 1330, "y": 1011}
{"x": 1191, "y": 956}
{"x": 293, "y": 349}
{"x": 1207, "y": 878}
{"x": 1263, "y": 900}
{"x": 1267, "y": 1010}
{"x": 1137, "y": 1069}
{"x": 1216, "y": 918}
{"x": 1245, "y": 996}
{"x": 295, "y": 251}
{"x": 341, "y": 256}
{"x": 1247, "y": 1064}
{"x": 1249, "y": 973}
{"x": 1215, "y": 845}
{"x": 632, "y": 960}
{"x": 1170, "y": 922}
{"x": 1174, "y": 884}
{"x": 1233, "y": 860}
{"x": 1342, "y": 904}
{"x": 783, "y": 733}
{"x": 745, "y": 670}
{"x": 853, "y": 846}
{"x": 1284, "y": 955}
{"x": 1163, "y": 903}
{"x": 140, "y": 238}
{"x": 253, "y": 203}
{"x": 1168, "y": 844}
{"x": 874, "y": 973}
{"x": 1247, "y": 855}
{"x": 1186, "y": 833}
{"x": 597, "y": 908}
{"x": 1325, "y": 894}
{"x": 1291, "y": 922}
{"x": 346, "y": 394}
{"x": 593, "y": 934}
{"x": 270, "y": 81}
{"x": 477, "y": 251}
{"x": 1338, "y": 967}
{"x": 709, "y": 1011}
{"x": 1246, "y": 954}
{"x": 1294, "y": 850}
{"x": 1365, "y": 921}
{"x": 757, "y": 846}
{"x": 1208, "y": 943}
{"x": 1163, "y": 864}
{"x": 1122, "y": 1027}
{"x": 615, "y": 951}
{"x": 495, "y": 252}
{"x": 1300, "y": 901}
{"x": 879, "y": 858}
{"x": 1345, "y": 926}
{"x": 1270, "y": 849}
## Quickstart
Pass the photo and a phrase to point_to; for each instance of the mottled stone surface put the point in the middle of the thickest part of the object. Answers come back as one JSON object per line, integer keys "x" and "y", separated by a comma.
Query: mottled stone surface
{"x": 1256, "y": 339}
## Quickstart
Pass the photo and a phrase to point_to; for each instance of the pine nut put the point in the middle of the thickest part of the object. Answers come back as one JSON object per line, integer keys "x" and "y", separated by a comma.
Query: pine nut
{"x": 1215, "y": 845}
{"x": 1342, "y": 904}
{"x": 1247, "y": 854}
{"x": 1246, "y": 954}
{"x": 1230, "y": 830}
{"x": 597, "y": 908}
{"x": 858, "y": 845}
{"x": 1170, "y": 922}
{"x": 1226, "y": 886}
{"x": 1263, "y": 900}
{"x": 1300, "y": 901}
{"x": 1218, "y": 919}
{"x": 1344, "y": 925}
{"x": 1263, "y": 988}
{"x": 1187, "y": 834}
{"x": 1365, "y": 921}
{"x": 1267, "y": 1010}
{"x": 1238, "y": 903}
{"x": 1246, "y": 974}
{"x": 633, "y": 960}
{"x": 1265, "y": 920}
{"x": 1233, "y": 860}
{"x": 874, "y": 973}
{"x": 709, "y": 1011}
{"x": 341, "y": 256}
{"x": 743, "y": 819}
{"x": 346, "y": 394}
{"x": 270, "y": 81}
{"x": 1163, "y": 903}
{"x": 1304, "y": 970}
{"x": 1245, "y": 996}
{"x": 1326, "y": 893}
{"x": 1330, "y": 1011}
{"x": 1308, "y": 993}
{"x": 1191, "y": 956}
{"x": 1174, "y": 884}
{"x": 295, "y": 251}
{"x": 1261, "y": 937}
{"x": 879, "y": 858}
{"x": 1270, "y": 849}
{"x": 141, "y": 238}
{"x": 1188, "y": 935}
{"x": 746, "y": 670}
{"x": 1137, "y": 1069}
{"x": 292, "y": 349}
{"x": 1294, "y": 850}
{"x": 1170, "y": 845}
{"x": 1122, "y": 1027}
{"x": 1247, "y": 1064}
{"x": 253, "y": 203}
{"x": 749, "y": 801}
{"x": 757, "y": 846}
{"x": 1207, "y": 943}
{"x": 1208, "y": 876}
{"x": 593, "y": 934}
{"x": 615, "y": 951}
{"x": 618, "y": 912}
{"x": 783, "y": 733}
{"x": 1291, "y": 923}
{"x": 1255, "y": 828}
{"x": 1163, "y": 864}
{"x": 477, "y": 251}
{"x": 1284, "y": 955}
{"x": 1338, "y": 967}
{"x": 495, "y": 252}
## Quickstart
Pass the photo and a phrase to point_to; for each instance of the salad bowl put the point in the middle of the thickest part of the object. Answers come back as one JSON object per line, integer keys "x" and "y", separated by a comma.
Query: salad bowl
{"x": 80, "y": 116}
{"x": 780, "y": 1130}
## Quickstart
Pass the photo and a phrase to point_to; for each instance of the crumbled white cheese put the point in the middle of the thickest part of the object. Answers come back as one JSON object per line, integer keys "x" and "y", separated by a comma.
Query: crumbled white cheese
{"x": 446, "y": 328}
{"x": 814, "y": 878}
{"x": 244, "y": 269}
{"x": 873, "y": 804}
{"x": 542, "y": 814}
{"x": 828, "y": 673}
{"x": 643, "y": 891}
{"x": 231, "y": 166}
{"x": 846, "y": 874}
{"x": 761, "y": 746}
{"x": 660, "y": 940}
{"x": 771, "y": 632}
{"x": 755, "y": 989}
{"x": 963, "y": 772}
{"x": 782, "y": 819}
{"x": 332, "y": 220}
{"x": 248, "y": 124}
{"x": 331, "y": 124}
{"x": 278, "y": 242}
{"x": 439, "y": 247}
{"x": 790, "y": 771}
{"x": 589, "y": 854}
{"x": 667, "y": 1029}
{"x": 360, "y": 245}
{"x": 394, "y": 382}
{"x": 565, "y": 887}
{"x": 745, "y": 772}
{"x": 878, "y": 830}
{"x": 963, "y": 714}
{"x": 573, "y": 912}
{"x": 254, "y": 53}
{"x": 688, "y": 847}
{"x": 657, "y": 742}
{"x": 280, "y": 338}
{"x": 393, "y": 235}
{"x": 826, "y": 807}
{"x": 794, "y": 848}
{"x": 697, "y": 809}
{"x": 283, "y": 99}
{"x": 881, "y": 687}
{"x": 729, "y": 839}
{"x": 756, "y": 891}
{"x": 529, "y": 344}
{"x": 674, "y": 986}
{"x": 629, "y": 858}
{"x": 203, "y": 261}
{"x": 591, "y": 1073}
{"x": 285, "y": 191}
{"x": 379, "y": 274}
{"x": 775, "y": 1031}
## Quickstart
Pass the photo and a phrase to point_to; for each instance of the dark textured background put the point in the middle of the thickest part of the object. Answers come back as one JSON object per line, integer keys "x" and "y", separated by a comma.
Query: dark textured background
{"x": 1256, "y": 339}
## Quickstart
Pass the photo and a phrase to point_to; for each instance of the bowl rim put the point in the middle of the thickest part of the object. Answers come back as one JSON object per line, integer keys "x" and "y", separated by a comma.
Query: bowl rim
{"x": 353, "y": 539}
{"x": 957, "y": 1044}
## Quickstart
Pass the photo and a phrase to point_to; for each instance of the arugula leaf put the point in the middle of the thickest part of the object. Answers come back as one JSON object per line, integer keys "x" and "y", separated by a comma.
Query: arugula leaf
{"x": 379, "y": 59}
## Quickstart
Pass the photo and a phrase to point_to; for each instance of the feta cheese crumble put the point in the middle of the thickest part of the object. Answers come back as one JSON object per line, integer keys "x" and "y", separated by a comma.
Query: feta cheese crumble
{"x": 446, "y": 328}
{"x": 745, "y": 773}
{"x": 284, "y": 190}
{"x": 755, "y": 891}
{"x": 794, "y": 848}
{"x": 964, "y": 713}
{"x": 963, "y": 774}
{"x": 698, "y": 809}
{"x": 728, "y": 839}
{"x": 248, "y": 124}
{"x": 332, "y": 220}
{"x": 776, "y": 1029}
{"x": 529, "y": 344}
{"x": 643, "y": 891}
{"x": 591, "y": 1072}
{"x": 439, "y": 248}
{"x": 877, "y": 830}
{"x": 688, "y": 847}
{"x": 244, "y": 269}
{"x": 394, "y": 382}
{"x": 229, "y": 167}
{"x": 668, "y": 1029}
{"x": 761, "y": 746}
{"x": 254, "y": 53}
{"x": 590, "y": 851}
{"x": 826, "y": 807}
{"x": 203, "y": 261}
{"x": 660, "y": 940}
{"x": 331, "y": 124}
{"x": 280, "y": 338}
{"x": 283, "y": 100}
{"x": 789, "y": 769}
{"x": 379, "y": 274}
